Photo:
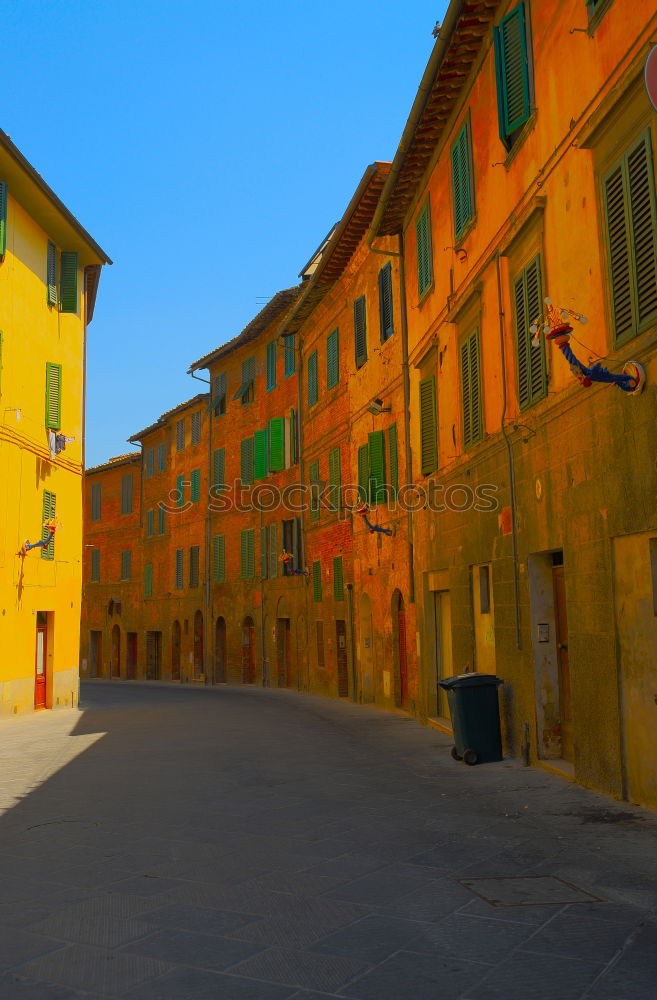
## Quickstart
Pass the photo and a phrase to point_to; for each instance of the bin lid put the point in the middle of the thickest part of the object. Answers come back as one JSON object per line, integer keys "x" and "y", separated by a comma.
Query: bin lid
{"x": 469, "y": 680}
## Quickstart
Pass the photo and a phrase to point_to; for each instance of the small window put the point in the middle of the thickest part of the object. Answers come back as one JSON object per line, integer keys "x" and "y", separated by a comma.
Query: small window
{"x": 194, "y": 552}
{"x": 313, "y": 388}
{"x": 260, "y": 454}
{"x": 195, "y": 485}
{"x": 53, "y": 396}
{"x": 462, "y": 181}
{"x": 290, "y": 352}
{"x": 219, "y": 558}
{"x": 271, "y": 365}
{"x": 161, "y": 457}
{"x": 180, "y": 556}
{"x": 218, "y": 403}
{"x": 150, "y": 523}
{"x": 180, "y": 434}
{"x": 96, "y": 501}
{"x": 512, "y": 71}
{"x": 276, "y": 444}
{"x": 332, "y": 359}
{"x": 424, "y": 251}
{"x": 338, "y": 579}
{"x": 68, "y": 283}
{"x": 319, "y": 626}
{"x": 317, "y": 581}
{"x": 428, "y": 426}
{"x": 377, "y": 467}
{"x": 484, "y": 590}
{"x": 51, "y": 274}
{"x": 247, "y": 554}
{"x": 126, "y": 563}
{"x": 148, "y": 580}
{"x": 126, "y": 493}
{"x": 291, "y": 531}
{"x": 385, "y": 302}
{"x": 95, "y": 565}
{"x": 528, "y": 302}
{"x": 246, "y": 391}
{"x": 360, "y": 331}
{"x": 471, "y": 403}
{"x": 196, "y": 427}
{"x": 149, "y": 462}
{"x": 246, "y": 461}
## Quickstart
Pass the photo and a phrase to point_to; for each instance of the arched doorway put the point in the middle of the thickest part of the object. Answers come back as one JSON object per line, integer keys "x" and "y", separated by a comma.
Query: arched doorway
{"x": 198, "y": 645}
{"x": 401, "y": 650}
{"x": 248, "y": 651}
{"x": 175, "y": 651}
{"x": 365, "y": 650}
{"x": 220, "y": 651}
{"x": 116, "y": 651}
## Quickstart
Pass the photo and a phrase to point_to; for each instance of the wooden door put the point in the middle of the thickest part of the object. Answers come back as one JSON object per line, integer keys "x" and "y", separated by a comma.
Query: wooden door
{"x": 131, "y": 656}
{"x": 96, "y": 646}
{"x": 402, "y": 653}
{"x": 116, "y": 651}
{"x": 220, "y": 651}
{"x": 443, "y": 631}
{"x": 175, "y": 651}
{"x": 343, "y": 666}
{"x": 40, "y": 667}
{"x": 565, "y": 701}
{"x": 153, "y": 653}
{"x": 248, "y": 652}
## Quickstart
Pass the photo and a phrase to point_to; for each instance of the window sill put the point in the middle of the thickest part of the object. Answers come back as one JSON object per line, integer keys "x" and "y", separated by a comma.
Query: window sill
{"x": 597, "y": 15}
{"x": 425, "y": 294}
{"x": 460, "y": 239}
{"x": 520, "y": 139}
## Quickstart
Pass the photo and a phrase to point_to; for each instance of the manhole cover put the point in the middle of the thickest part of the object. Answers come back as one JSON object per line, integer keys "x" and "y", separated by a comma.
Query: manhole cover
{"x": 527, "y": 890}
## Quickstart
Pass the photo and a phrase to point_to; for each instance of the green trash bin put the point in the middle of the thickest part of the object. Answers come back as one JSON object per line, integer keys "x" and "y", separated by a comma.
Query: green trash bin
{"x": 475, "y": 713}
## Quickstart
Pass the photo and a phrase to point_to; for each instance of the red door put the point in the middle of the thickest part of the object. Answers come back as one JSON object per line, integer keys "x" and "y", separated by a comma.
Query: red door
{"x": 40, "y": 667}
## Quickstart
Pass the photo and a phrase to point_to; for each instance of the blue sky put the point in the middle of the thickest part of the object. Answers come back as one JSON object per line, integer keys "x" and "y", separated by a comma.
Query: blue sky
{"x": 208, "y": 148}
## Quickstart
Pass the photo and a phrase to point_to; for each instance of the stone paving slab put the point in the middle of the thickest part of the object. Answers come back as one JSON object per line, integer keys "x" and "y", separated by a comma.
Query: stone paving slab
{"x": 169, "y": 842}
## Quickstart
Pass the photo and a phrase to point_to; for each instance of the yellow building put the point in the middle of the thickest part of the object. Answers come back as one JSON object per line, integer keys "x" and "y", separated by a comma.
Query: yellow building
{"x": 49, "y": 272}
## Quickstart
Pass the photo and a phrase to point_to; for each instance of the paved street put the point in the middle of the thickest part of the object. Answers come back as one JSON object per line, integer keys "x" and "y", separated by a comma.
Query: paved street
{"x": 262, "y": 845}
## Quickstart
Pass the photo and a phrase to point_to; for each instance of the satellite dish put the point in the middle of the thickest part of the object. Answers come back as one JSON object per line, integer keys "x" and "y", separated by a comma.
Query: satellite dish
{"x": 651, "y": 76}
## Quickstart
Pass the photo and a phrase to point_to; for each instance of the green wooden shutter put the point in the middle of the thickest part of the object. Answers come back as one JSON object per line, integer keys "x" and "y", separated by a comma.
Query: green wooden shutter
{"x": 471, "y": 390}
{"x": 276, "y": 444}
{"x": 219, "y": 467}
{"x": 364, "y": 473}
{"x": 51, "y": 274}
{"x": 196, "y": 427}
{"x": 428, "y": 426}
{"x": 219, "y": 558}
{"x": 3, "y": 218}
{"x": 53, "y": 396}
{"x": 126, "y": 563}
{"x": 180, "y": 490}
{"x": 332, "y": 359}
{"x": 150, "y": 523}
{"x": 360, "y": 330}
{"x": 264, "y": 554}
{"x": 247, "y": 554}
{"x": 126, "y": 493}
{"x": 317, "y": 581}
{"x": 385, "y": 302}
{"x": 195, "y": 492}
{"x": 462, "y": 184}
{"x": 218, "y": 401}
{"x": 161, "y": 520}
{"x": 149, "y": 461}
{"x": 273, "y": 551}
{"x": 179, "y": 569}
{"x": 338, "y": 579}
{"x": 246, "y": 461}
{"x": 260, "y": 454}
{"x": 377, "y": 449}
{"x": 528, "y": 300}
{"x": 293, "y": 438}
{"x": 49, "y": 509}
{"x": 394, "y": 461}
{"x": 271, "y": 365}
{"x": 313, "y": 388}
{"x": 96, "y": 500}
{"x": 512, "y": 71}
{"x": 424, "y": 251}
{"x": 313, "y": 475}
{"x": 334, "y": 478}
{"x": 289, "y": 350}
{"x": 194, "y": 558}
{"x": 148, "y": 580}
{"x": 68, "y": 282}
{"x": 180, "y": 434}
{"x": 95, "y": 565}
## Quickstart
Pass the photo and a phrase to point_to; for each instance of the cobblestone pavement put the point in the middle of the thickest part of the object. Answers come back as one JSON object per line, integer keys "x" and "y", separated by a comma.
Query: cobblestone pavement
{"x": 171, "y": 843}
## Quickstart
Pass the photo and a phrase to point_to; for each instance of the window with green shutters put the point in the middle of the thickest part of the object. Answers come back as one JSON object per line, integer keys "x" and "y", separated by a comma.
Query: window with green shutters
{"x": 424, "y": 251}
{"x": 51, "y": 274}
{"x": 194, "y": 555}
{"x": 631, "y": 225}
{"x": 161, "y": 520}
{"x": 394, "y": 461}
{"x": 334, "y": 479}
{"x": 219, "y": 467}
{"x": 271, "y": 365}
{"x": 150, "y": 523}
{"x": 290, "y": 354}
{"x": 148, "y": 580}
{"x": 273, "y": 551}
{"x": 332, "y": 359}
{"x": 377, "y": 450}
{"x": 317, "y": 581}
{"x": 364, "y": 473}
{"x": 149, "y": 461}
{"x": 180, "y": 490}
{"x": 260, "y": 454}
{"x": 196, "y": 427}
{"x": 219, "y": 558}
{"x": 246, "y": 461}
{"x": 48, "y": 511}
{"x": 385, "y": 303}
{"x": 126, "y": 493}
{"x": 276, "y": 436}
{"x": 195, "y": 485}
{"x": 512, "y": 72}
{"x": 471, "y": 401}
{"x": 68, "y": 282}
{"x": 462, "y": 181}
{"x": 218, "y": 400}
{"x": 180, "y": 434}
{"x": 161, "y": 457}
{"x": 338, "y": 579}
{"x": 264, "y": 552}
{"x": 428, "y": 426}
{"x": 528, "y": 306}
{"x": 126, "y": 564}
{"x": 96, "y": 501}
{"x": 180, "y": 567}
{"x": 3, "y": 218}
{"x": 294, "y": 446}
{"x": 95, "y": 565}
{"x": 313, "y": 475}
{"x": 53, "y": 396}
{"x": 247, "y": 554}
{"x": 313, "y": 388}
{"x": 360, "y": 331}
{"x": 246, "y": 390}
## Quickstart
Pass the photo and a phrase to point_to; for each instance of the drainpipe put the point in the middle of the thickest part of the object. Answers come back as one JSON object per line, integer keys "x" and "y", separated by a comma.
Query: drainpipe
{"x": 509, "y": 449}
